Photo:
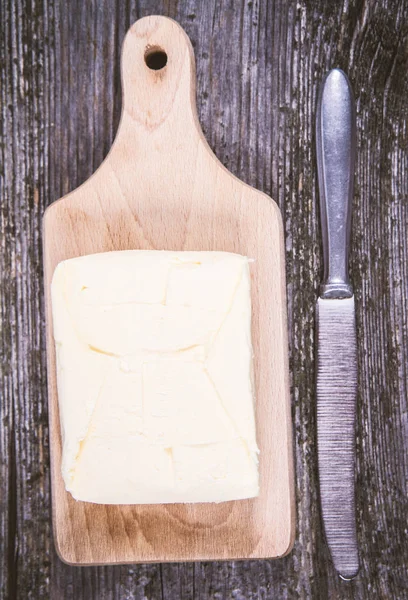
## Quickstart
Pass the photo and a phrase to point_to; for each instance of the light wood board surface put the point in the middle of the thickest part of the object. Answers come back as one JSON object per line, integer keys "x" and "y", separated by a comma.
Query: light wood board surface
{"x": 162, "y": 188}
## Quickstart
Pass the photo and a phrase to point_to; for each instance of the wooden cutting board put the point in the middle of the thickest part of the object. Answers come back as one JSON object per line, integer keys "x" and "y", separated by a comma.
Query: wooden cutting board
{"x": 161, "y": 187}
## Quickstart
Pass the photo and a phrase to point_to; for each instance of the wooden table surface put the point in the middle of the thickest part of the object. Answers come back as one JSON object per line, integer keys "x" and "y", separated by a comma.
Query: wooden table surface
{"x": 258, "y": 68}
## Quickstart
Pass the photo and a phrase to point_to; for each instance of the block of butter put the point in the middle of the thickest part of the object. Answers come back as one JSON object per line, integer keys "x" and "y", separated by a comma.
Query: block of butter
{"x": 154, "y": 374}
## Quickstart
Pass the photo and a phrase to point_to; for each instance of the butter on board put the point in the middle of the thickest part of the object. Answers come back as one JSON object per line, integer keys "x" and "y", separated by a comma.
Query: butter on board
{"x": 154, "y": 374}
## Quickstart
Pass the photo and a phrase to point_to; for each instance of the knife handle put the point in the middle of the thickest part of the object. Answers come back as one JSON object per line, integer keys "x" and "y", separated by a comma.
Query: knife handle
{"x": 335, "y": 144}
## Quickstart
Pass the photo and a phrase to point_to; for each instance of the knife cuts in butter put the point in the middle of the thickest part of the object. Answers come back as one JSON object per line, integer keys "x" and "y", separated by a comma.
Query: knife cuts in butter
{"x": 154, "y": 373}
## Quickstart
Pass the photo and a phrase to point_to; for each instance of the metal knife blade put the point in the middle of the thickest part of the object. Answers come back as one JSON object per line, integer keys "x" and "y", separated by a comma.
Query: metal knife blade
{"x": 336, "y": 331}
{"x": 336, "y": 409}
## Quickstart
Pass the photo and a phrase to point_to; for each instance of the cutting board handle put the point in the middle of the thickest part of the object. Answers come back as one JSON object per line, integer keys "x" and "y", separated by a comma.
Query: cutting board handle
{"x": 158, "y": 78}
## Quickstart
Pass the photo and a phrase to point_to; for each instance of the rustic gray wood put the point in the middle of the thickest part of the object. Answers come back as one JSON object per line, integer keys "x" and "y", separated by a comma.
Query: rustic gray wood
{"x": 258, "y": 68}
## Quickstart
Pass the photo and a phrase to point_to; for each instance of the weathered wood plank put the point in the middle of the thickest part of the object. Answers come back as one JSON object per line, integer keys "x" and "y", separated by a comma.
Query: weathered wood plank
{"x": 24, "y": 417}
{"x": 258, "y": 68}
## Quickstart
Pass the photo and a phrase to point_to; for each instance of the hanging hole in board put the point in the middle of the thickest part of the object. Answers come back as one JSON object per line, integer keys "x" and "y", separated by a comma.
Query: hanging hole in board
{"x": 155, "y": 58}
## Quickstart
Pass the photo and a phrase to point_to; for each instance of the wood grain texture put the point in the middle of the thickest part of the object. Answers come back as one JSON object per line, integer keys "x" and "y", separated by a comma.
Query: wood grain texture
{"x": 161, "y": 188}
{"x": 259, "y": 65}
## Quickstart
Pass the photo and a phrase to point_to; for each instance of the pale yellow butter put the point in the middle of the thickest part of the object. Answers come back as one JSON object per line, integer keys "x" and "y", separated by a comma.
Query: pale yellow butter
{"x": 154, "y": 371}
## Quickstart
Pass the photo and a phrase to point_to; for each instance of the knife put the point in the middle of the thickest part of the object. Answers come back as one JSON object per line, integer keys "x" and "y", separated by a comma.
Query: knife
{"x": 335, "y": 318}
